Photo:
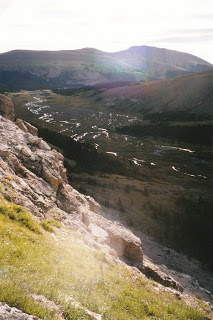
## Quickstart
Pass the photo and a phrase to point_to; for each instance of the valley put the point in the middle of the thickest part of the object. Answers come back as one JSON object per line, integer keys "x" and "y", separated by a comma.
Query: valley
{"x": 165, "y": 184}
{"x": 106, "y": 160}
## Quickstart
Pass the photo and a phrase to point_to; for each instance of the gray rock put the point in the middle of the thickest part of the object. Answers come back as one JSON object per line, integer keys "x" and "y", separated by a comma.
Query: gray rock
{"x": 153, "y": 272}
{"x": 8, "y": 313}
{"x": 6, "y": 107}
{"x": 125, "y": 244}
{"x": 27, "y": 127}
{"x": 4, "y": 151}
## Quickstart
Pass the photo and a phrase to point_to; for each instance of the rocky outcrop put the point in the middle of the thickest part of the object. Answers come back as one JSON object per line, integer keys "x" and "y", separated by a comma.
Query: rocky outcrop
{"x": 27, "y": 127}
{"x": 6, "y": 107}
{"x": 155, "y": 273}
{"x": 8, "y": 313}
{"x": 33, "y": 175}
{"x": 125, "y": 244}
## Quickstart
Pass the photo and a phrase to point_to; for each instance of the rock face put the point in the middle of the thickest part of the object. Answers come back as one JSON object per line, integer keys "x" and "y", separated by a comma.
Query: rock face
{"x": 33, "y": 175}
{"x": 153, "y": 272}
{"x": 27, "y": 127}
{"x": 8, "y": 313}
{"x": 6, "y": 107}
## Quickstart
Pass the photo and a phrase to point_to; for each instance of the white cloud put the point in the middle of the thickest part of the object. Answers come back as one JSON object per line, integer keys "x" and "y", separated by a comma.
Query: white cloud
{"x": 107, "y": 25}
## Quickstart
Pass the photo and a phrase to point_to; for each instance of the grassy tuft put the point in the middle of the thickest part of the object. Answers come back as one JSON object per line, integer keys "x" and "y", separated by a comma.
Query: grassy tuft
{"x": 72, "y": 313}
{"x": 19, "y": 214}
{"x": 49, "y": 224}
{"x": 46, "y": 226}
{"x": 15, "y": 296}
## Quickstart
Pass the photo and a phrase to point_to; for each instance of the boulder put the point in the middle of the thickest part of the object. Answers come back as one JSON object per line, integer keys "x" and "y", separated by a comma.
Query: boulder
{"x": 4, "y": 151}
{"x": 126, "y": 244}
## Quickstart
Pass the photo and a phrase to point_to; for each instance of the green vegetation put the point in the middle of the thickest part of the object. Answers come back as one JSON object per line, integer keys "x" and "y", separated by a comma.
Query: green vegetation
{"x": 49, "y": 224}
{"x": 33, "y": 263}
{"x": 96, "y": 88}
{"x": 85, "y": 155}
{"x": 200, "y": 134}
{"x": 19, "y": 214}
{"x": 181, "y": 116}
{"x": 15, "y": 80}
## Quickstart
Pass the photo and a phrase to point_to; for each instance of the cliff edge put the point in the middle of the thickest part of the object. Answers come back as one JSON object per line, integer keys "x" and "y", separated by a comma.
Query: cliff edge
{"x": 33, "y": 175}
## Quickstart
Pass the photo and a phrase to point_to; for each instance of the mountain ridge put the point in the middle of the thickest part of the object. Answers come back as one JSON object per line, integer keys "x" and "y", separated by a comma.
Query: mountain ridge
{"x": 89, "y": 66}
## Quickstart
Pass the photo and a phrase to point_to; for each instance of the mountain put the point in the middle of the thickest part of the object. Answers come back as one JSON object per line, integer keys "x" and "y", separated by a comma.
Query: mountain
{"x": 192, "y": 93}
{"x": 63, "y": 256}
{"x": 22, "y": 69}
{"x": 162, "y": 63}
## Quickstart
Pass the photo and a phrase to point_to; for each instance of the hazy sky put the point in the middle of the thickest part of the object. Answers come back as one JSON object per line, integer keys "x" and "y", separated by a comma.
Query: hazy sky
{"x": 109, "y": 25}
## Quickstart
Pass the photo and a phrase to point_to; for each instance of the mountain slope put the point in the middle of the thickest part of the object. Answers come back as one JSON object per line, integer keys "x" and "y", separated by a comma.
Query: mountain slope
{"x": 65, "y": 257}
{"x": 46, "y": 69}
{"x": 162, "y": 63}
{"x": 65, "y": 68}
{"x": 192, "y": 93}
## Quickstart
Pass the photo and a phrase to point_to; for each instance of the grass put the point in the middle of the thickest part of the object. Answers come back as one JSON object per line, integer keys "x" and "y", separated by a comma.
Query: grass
{"x": 19, "y": 214}
{"x": 49, "y": 224}
{"x": 33, "y": 262}
{"x": 15, "y": 296}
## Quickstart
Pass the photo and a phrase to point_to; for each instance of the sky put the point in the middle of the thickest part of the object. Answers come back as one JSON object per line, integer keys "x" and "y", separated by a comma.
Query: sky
{"x": 108, "y": 25}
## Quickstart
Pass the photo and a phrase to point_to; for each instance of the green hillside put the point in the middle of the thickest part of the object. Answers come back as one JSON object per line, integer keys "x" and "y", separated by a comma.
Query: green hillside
{"x": 52, "y": 279}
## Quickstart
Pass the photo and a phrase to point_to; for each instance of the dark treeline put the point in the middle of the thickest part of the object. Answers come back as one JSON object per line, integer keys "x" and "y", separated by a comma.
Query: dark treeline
{"x": 12, "y": 81}
{"x": 96, "y": 87}
{"x": 85, "y": 155}
{"x": 173, "y": 116}
{"x": 195, "y": 221}
{"x": 200, "y": 134}
{"x": 189, "y": 228}
{"x": 4, "y": 89}
{"x": 72, "y": 91}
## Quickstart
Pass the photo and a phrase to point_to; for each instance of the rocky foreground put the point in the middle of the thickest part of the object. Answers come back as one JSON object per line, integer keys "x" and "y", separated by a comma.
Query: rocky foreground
{"x": 33, "y": 175}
